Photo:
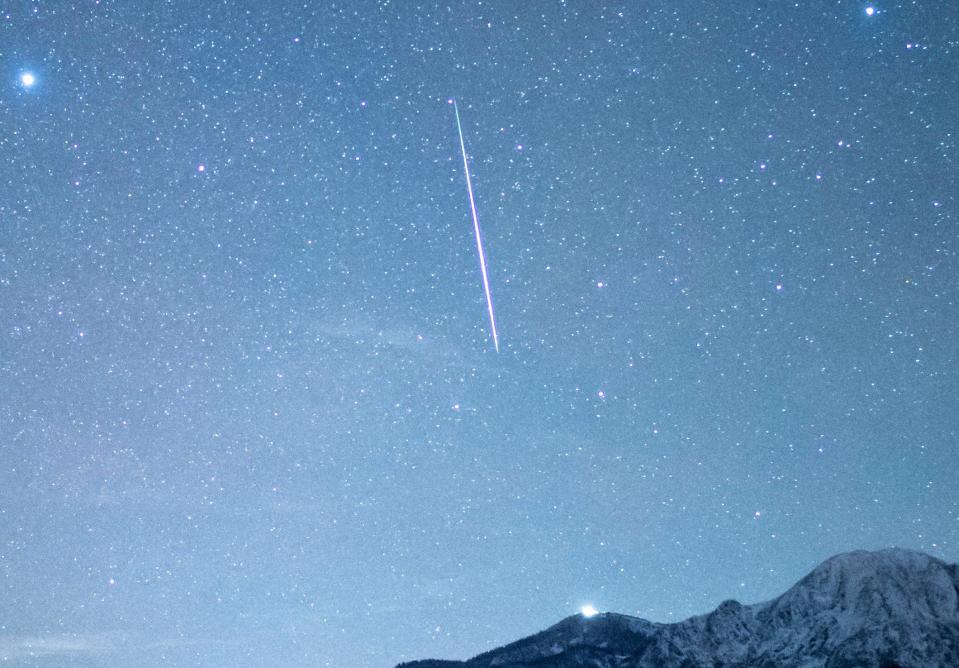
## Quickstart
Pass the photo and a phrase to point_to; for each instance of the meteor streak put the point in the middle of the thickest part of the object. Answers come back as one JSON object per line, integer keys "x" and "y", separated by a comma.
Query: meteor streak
{"x": 476, "y": 229}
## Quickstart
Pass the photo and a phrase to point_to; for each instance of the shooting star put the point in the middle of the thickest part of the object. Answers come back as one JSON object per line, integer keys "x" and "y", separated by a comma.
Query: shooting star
{"x": 476, "y": 229}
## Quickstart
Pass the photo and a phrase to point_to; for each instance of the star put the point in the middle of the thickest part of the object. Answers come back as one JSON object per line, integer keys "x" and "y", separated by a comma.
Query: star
{"x": 870, "y": 10}
{"x": 27, "y": 79}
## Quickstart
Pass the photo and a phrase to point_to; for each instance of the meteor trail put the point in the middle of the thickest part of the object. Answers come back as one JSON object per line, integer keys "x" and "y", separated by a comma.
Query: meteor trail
{"x": 476, "y": 229}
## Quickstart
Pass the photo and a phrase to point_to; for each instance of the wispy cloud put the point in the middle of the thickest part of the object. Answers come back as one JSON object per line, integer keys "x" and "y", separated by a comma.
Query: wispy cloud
{"x": 365, "y": 331}
{"x": 76, "y": 646}
{"x": 67, "y": 644}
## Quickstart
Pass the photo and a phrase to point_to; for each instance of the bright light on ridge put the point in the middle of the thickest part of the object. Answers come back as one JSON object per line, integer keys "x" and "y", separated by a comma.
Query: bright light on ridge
{"x": 588, "y": 610}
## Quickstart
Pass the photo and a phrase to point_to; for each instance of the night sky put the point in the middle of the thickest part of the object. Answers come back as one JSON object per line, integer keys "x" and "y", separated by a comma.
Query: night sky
{"x": 250, "y": 409}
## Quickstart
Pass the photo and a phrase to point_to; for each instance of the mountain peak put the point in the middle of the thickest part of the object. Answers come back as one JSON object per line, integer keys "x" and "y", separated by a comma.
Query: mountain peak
{"x": 882, "y": 585}
{"x": 886, "y": 557}
{"x": 891, "y": 607}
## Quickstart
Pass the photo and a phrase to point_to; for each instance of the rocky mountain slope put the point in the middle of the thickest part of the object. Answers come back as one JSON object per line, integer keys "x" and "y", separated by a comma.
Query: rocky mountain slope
{"x": 891, "y": 608}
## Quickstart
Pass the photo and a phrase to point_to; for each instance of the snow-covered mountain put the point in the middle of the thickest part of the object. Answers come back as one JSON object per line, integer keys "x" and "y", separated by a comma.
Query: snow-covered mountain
{"x": 891, "y": 608}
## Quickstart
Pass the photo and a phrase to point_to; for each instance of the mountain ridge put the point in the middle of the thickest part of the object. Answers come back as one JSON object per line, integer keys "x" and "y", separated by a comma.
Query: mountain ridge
{"x": 891, "y": 608}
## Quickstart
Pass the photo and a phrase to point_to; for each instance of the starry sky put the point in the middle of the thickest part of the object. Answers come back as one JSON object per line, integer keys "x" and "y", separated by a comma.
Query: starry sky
{"x": 251, "y": 409}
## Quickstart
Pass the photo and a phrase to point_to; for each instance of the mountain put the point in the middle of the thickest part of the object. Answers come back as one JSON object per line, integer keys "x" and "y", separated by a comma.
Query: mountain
{"x": 887, "y": 609}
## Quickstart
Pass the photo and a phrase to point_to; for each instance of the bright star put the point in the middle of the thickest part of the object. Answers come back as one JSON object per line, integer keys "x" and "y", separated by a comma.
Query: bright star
{"x": 870, "y": 10}
{"x": 588, "y": 611}
{"x": 27, "y": 79}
